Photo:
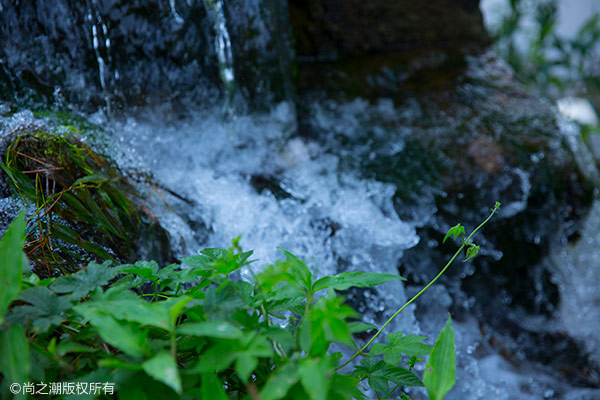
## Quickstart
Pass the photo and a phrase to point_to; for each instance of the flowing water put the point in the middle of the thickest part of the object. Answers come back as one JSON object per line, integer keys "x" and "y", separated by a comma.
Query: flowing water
{"x": 253, "y": 174}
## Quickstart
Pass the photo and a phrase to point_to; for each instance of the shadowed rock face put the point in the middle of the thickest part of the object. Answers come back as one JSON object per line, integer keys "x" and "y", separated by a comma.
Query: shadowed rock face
{"x": 333, "y": 29}
{"x": 132, "y": 53}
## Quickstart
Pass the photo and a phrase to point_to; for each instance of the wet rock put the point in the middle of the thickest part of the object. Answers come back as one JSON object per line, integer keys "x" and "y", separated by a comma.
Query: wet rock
{"x": 107, "y": 53}
{"x": 81, "y": 208}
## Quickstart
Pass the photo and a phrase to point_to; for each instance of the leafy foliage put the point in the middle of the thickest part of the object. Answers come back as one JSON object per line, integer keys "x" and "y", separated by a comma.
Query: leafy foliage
{"x": 547, "y": 62}
{"x": 202, "y": 333}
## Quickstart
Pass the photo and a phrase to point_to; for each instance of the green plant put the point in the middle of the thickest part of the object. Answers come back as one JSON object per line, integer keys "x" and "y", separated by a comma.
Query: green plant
{"x": 200, "y": 332}
{"x": 547, "y": 62}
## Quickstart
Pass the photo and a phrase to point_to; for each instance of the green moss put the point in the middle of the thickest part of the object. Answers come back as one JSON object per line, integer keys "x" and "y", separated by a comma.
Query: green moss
{"x": 86, "y": 209}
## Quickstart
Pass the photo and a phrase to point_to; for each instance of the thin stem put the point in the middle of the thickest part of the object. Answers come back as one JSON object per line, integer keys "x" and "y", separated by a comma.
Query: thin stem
{"x": 362, "y": 349}
{"x": 391, "y": 391}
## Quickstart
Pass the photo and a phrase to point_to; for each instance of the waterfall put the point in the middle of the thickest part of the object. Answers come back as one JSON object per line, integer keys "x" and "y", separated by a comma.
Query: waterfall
{"x": 215, "y": 10}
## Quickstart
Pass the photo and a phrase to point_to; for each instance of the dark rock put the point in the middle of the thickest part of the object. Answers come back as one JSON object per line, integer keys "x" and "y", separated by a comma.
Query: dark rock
{"x": 121, "y": 52}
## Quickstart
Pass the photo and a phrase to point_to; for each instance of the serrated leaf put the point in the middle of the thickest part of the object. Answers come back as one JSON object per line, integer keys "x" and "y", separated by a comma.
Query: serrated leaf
{"x": 297, "y": 268}
{"x": 163, "y": 368}
{"x": 84, "y": 281}
{"x": 401, "y": 376}
{"x": 440, "y": 372}
{"x": 12, "y": 263}
{"x": 216, "y": 329}
{"x": 472, "y": 251}
{"x": 350, "y": 279}
{"x": 379, "y": 383}
{"x": 399, "y": 346}
{"x": 245, "y": 290}
{"x": 145, "y": 273}
{"x": 454, "y": 232}
{"x": 45, "y": 310}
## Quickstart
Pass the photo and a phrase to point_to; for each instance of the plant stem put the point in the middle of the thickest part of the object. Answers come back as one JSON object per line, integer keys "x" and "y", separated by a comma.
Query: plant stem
{"x": 362, "y": 349}
{"x": 391, "y": 391}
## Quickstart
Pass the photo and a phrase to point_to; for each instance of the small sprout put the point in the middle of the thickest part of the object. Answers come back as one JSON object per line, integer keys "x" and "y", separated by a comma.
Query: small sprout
{"x": 472, "y": 251}
{"x": 412, "y": 361}
{"x": 496, "y": 207}
{"x": 454, "y": 232}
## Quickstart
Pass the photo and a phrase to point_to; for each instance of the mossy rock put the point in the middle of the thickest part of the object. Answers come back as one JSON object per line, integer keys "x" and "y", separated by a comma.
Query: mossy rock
{"x": 85, "y": 209}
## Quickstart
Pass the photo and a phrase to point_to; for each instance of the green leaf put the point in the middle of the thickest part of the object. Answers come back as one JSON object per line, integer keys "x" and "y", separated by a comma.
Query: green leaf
{"x": 297, "y": 268}
{"x": 349, "y": 279}
{"x": 244, "y": 365}
{"x": 216, "y": 329}
{"x": 142, "y": 272}
{"x": 85, "y": 280}
{"x": 163, "y": 368}
{"x": 371, "y": 369}
{"x": 401, "y": 376}
{"x": 199, "y": 261}
{"x": 217, "y": 357}
{"x": 125, "y": 305}
{"x": 399, "y": 346}
{"x": 14, "y": 362}
{"x": 12, "y": 263}
{"x": 325, "y": 323}
{"x": 345, "y": 387}
{"x": 123, "y": 335}
{"x": 314, "y": 377}
{"x": 46, "y": 309}
{"x": 358, "y": 327}
{"x": 212, "y": 388}
{"x": 440, "y": 373}
{"x": 472, "y": 251}
{"x": 280, "y": 382}
{"x": 456, "y": 230}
